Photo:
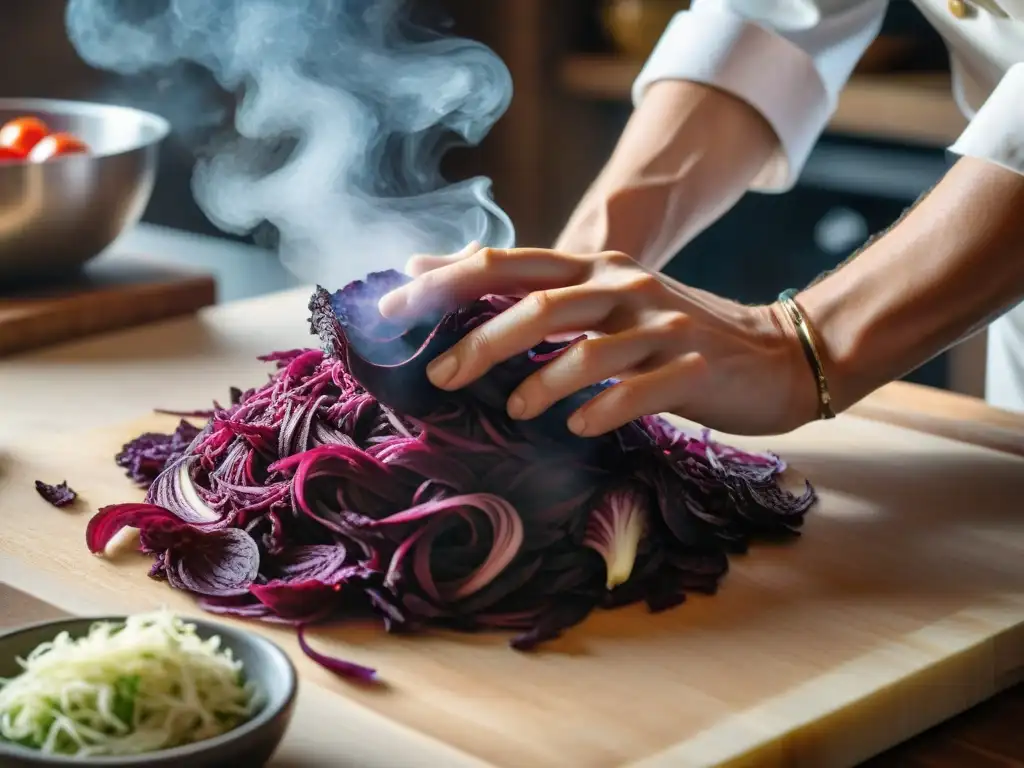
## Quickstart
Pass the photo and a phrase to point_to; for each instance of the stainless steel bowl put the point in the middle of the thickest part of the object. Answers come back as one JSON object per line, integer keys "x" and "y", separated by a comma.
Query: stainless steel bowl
{"x": 56, "y": 216}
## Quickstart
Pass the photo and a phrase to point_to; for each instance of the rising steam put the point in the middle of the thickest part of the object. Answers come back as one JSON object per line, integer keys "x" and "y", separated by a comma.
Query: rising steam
{"x": 340, "y": 128}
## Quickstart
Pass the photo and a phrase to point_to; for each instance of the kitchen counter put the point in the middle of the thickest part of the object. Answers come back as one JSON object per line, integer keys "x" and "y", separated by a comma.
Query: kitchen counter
{"x": 110, "y": 379}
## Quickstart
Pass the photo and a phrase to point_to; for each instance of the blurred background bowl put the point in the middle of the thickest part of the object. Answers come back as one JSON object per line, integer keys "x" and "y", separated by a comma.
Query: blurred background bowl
{"x": 56, "y": 216}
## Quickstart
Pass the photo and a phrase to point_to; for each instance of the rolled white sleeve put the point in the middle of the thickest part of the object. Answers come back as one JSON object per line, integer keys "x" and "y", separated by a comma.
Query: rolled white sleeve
{"x": 996, "y": 133}
{"x": 789, "y": 60}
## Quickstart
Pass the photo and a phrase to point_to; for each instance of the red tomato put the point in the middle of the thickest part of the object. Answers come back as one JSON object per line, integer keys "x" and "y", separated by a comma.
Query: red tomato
{"x": 23, "y": 134}
{"x": 8, "y": 155}
{"x": 56, "y": 145}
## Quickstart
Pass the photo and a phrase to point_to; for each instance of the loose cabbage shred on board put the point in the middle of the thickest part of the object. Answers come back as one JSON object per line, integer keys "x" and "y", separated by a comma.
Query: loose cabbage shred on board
{"x": 349, "y": 485}
{"x": 127, "y": 688}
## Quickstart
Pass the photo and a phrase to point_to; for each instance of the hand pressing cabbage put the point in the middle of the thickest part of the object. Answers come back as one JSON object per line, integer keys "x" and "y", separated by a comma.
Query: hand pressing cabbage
{"x": 349, "y": 485}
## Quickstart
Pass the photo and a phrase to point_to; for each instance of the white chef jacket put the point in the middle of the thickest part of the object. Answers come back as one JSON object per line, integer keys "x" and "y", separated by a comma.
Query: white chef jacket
{"x": 790, "y": 59}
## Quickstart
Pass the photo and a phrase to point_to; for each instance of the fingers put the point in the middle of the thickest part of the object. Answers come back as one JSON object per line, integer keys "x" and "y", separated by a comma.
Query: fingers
{"x": 666, "y": 388}
{"x": 518, "y": 329}
{"x": 585, "y": 363}
{"x": 420, "y": 264}
{"x": 490, "y": 270}
{"x": 607, "y": 292}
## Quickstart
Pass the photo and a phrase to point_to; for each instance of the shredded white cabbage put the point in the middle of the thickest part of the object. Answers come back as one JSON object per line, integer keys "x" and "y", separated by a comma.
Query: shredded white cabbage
{"x": 125, "y": 688}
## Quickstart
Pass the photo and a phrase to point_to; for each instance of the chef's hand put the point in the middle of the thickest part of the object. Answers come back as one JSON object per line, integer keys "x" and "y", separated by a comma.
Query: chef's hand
{"x": 675, "y": 349}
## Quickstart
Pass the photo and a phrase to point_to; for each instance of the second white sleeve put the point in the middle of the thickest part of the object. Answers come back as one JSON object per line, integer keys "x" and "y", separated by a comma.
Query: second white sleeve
{"x": 790, "y": 70}
{"x": 996, "y": 133}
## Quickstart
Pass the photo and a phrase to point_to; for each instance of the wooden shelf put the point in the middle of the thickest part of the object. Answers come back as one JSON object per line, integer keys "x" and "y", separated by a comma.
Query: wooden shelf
{"x": 599, "y": 77}
{"x": 914, "y": 108}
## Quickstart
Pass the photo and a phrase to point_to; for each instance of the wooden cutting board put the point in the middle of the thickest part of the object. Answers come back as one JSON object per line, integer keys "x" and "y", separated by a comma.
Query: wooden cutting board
{"x": 902, "y": 605}
{"x": 109, "y": 295}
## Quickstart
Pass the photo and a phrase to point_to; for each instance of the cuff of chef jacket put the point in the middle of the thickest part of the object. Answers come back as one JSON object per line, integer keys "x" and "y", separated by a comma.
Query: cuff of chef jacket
{"x": 718, "y": 48}
{"x": 996, "y": 133}
{"x": 794, "y": 86}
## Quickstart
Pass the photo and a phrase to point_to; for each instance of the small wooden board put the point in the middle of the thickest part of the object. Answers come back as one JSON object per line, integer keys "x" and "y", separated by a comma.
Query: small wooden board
{"x": 106, "y": 297}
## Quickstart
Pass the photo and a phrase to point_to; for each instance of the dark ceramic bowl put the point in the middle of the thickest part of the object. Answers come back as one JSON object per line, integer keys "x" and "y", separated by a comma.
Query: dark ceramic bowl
{"x": 250, "y": 744}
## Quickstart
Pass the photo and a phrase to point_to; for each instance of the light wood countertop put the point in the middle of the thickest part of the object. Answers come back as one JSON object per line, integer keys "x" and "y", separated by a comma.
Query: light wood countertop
{"x": 987, "y": 736}
{"x": 110, "y": 379}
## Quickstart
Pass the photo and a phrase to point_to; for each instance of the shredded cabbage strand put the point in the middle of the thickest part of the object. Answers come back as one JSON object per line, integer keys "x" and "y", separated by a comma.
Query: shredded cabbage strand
{"x": 349, "y": 485}
{"x": 146, "y": 684}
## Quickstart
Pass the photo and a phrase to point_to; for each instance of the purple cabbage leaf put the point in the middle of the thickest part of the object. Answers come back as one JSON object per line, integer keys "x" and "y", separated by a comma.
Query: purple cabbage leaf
{"x": 59, "y": 495}
{"x": 348, "y": 486}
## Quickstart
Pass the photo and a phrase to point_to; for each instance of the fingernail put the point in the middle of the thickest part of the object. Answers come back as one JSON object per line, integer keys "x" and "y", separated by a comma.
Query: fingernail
{"x": 442, "y": 370}
{"x": 516, "y": 406}
{"x": 577, "y": 424}
{"x": 392, "y": 303}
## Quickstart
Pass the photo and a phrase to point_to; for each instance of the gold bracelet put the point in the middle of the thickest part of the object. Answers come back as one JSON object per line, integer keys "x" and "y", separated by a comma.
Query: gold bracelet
{"x": 806, "y": 336}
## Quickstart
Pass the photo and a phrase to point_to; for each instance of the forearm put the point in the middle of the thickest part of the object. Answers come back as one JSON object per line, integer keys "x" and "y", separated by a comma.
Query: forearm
{"x": 954, "y": 263}
{"x": 688, "y": 153}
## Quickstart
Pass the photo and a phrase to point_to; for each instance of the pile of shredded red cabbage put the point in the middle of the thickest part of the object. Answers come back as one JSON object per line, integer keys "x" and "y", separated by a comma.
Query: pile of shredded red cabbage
{"x": 348, "y": 485}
